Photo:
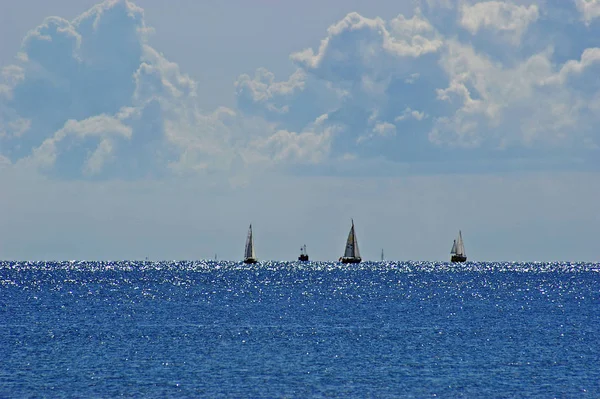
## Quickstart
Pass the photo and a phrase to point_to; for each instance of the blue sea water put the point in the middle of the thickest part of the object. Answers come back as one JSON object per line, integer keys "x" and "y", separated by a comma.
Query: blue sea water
{"x": 291, "y": 330}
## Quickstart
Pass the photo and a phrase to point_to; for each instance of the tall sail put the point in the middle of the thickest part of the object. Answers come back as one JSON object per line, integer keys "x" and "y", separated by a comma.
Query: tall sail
{"x": 453, "y": 250}
{"x": 349, "y": 251}
{"x": 460, "y": 246}
{"x": 249, "y": 252}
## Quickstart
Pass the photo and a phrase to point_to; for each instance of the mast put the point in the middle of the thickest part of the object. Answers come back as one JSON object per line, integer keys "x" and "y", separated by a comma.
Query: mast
{"x": 382, "y": 254}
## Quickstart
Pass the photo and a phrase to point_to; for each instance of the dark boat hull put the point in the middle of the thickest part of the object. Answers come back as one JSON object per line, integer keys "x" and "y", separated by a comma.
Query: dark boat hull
{"x": 351, "y": 260}
{"x": 458, "y": 258}
{"x": 250, "y": 260}
{"x": 303, "y": 258}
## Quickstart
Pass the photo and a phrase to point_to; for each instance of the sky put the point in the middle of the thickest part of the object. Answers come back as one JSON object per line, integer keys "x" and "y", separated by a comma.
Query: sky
{"x": 133, "y": 129}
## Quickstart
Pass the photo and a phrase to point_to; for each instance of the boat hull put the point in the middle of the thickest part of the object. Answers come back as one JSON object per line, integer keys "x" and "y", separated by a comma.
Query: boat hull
{"x": 458, "y": 258}
{"x": 250, "y": 260}
{"x": 303, "y": 258}
{"x": 351, "y": 260}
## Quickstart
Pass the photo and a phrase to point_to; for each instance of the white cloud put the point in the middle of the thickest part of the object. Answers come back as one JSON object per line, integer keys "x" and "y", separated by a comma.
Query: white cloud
{"x": 380, "y": 130}
{"x": 263, "y": 89}
{"x": 73, "y": 134}
{"x": 589, "y": 9}
{"x": 358, "y": 46}
{"x": 102, "y": 154}
{"x": 346, "y": 97}
{"x": 528, "y": 104}
{"x": 12, "y": 75}
{"x": 499, "y": 15}
{"x": 572, "y": 68}
{"x": 311, "y": 146}
{"x": 96, "y": 126}
{"x": 460, "y": 96}
{"x": 385, "y": 129}
{"x": 119, "y": 107}
{"x": 410, "y": 113}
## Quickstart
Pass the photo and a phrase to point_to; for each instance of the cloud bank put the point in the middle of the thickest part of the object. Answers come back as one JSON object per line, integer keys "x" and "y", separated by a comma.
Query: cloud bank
{"x": 91, "y": 99}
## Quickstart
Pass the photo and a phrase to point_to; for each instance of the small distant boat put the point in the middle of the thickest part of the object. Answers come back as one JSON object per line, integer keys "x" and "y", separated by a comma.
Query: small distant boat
{"x": 303, "y": 254}
{"x": 249, "y": 255}
{"x": 382, "y": 254}
{"x": 351, "y": 253}
{"x": 458, "y": 250}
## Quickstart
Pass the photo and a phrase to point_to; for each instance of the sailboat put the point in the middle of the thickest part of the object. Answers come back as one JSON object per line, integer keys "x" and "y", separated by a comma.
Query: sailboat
{"x": 351, "y": 253}
{"x": 303, "y": 254}
{"x": 249, "y": 255}
{"x": 382, "y": 254}
{"x": 458, "y": 250}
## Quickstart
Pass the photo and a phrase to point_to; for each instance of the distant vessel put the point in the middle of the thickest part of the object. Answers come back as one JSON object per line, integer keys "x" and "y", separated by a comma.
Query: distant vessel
{"x": 351, "y": 253}
{"x": 303, "y": 254}
{"x": 249, "y": 255}
{"x": 382, "y": 254}
{"x": 458, "y": 250}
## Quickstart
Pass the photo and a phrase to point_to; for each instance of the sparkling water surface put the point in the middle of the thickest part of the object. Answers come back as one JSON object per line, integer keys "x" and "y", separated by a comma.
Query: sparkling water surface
{"x": 286, "y": 329}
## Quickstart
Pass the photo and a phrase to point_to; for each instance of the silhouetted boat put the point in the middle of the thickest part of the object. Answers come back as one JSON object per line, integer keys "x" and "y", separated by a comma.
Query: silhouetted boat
{"x": 351, "y": 253}
{"x": 303, "y": 254}
{"x": 249, "y": 255}
{"x": 458, "y": 250}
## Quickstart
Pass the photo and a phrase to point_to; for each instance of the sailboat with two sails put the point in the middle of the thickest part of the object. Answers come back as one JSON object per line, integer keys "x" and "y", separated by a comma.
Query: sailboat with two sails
{"x": 351, "y": 252}
{"x": 249, "y": 254}
{"x": 303, "y": 254}
{"x": 458, "y": 250}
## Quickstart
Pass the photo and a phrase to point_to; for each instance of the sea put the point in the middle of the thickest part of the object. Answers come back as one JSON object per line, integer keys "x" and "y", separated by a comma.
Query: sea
{"x": 217, "y": 329}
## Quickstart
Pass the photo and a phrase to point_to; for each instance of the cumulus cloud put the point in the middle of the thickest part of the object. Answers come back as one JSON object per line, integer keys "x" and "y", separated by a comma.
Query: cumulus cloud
{"x": 524, "y": 105}
{"x": 403, "y": 84}
{"x": 308, "y": 147}
{"x": 498, "y": 15}
{"x": 589, "y": 9}
{"x": 71, "y": 81}
{"x": 358, "y": 46}
{"x": 363, "y": 67}
{"x": 101, "y": 129}
{"x": 411, "y": 113}
{"x": 90, "y": 98}
{"x": 264, "y": 90}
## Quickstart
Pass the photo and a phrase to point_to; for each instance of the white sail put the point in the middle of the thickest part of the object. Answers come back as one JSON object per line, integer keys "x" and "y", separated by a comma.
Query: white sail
{"x": 453, "y": 250}
{"x": 352, "y": 250}
{"x": 249, "y": 252}
{"x": 460, "y": 246}
{"x": 356, "y": 251}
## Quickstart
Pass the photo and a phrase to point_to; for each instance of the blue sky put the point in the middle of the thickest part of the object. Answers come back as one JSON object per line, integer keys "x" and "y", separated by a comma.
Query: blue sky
{"x": 132, "y": 129}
